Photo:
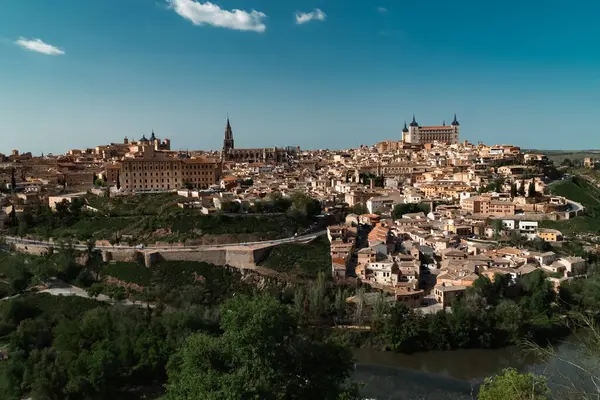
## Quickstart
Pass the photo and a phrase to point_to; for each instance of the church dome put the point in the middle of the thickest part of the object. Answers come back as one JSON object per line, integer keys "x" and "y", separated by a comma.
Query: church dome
{"x": 414, "y": 122}
{"x": 455, "y": 122}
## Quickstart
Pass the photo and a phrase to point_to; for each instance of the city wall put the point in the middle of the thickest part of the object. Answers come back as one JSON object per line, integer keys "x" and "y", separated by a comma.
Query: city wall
{"x": 236, "y": 256}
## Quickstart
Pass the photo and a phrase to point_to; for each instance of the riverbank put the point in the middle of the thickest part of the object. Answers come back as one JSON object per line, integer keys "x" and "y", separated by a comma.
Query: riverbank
{"x": 457, "y": 374}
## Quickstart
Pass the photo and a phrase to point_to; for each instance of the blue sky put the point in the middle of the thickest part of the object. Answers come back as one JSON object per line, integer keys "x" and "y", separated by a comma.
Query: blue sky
{"x": 319, "y": 74}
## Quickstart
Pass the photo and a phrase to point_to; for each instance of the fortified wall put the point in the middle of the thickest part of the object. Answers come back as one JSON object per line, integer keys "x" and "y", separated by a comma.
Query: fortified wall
{"x": 235, "y": 256}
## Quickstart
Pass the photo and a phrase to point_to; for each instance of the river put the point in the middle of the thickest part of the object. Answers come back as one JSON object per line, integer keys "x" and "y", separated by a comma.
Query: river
{"x": 450, "y": 375}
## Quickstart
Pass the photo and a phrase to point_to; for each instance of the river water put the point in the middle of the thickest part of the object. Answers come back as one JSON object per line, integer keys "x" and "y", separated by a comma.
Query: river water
{"x": 450, "y": 375}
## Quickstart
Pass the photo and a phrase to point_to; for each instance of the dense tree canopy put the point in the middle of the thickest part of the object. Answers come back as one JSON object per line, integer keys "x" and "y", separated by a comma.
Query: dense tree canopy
{"x": 401, "y": 209}
{"x": 260, "y": 355}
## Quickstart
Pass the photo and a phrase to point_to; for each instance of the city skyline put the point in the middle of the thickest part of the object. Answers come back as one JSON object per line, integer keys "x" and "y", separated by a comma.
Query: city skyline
{"x": 321, "y": 74}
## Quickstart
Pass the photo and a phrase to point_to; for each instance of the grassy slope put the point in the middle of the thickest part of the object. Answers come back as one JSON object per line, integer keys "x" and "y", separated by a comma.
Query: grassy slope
{"x": 583, "y": 193}
{"x": 139, "y": 216}
{"x": 302, "y": 259}
{"x": 580, "y": 193}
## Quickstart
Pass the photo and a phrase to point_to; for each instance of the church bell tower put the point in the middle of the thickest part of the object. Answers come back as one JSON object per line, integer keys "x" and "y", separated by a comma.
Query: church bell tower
{"x": 228, "y": 141}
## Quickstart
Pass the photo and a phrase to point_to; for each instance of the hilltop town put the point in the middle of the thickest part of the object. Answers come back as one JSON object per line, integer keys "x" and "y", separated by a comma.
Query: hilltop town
{"x": 420, "y": 218}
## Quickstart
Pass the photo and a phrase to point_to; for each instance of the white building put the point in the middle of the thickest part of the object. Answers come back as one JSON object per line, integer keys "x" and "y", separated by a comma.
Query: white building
{"x": 384, "y": 204}
{"x": 384, "y": 273}
{"x": 523, "y": 226}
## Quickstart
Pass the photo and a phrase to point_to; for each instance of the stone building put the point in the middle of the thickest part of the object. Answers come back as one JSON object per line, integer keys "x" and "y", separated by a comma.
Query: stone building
{"x": 119, "y": 150}
{"x": 268, "y": 154}
{"x": 146, "y": 167}
{"x": 419, "y": 135}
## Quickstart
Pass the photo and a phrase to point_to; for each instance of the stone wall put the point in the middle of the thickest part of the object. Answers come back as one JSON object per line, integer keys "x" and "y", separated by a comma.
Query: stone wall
{"x": 120, "y": 255}
{"x": 35, "y": 249}
{"x": 211, "y": 256}
{"x": 239, "y": 257}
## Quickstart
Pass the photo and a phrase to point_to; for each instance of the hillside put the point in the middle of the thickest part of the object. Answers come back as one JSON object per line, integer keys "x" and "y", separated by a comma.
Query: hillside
{"x": 580, "y": 190}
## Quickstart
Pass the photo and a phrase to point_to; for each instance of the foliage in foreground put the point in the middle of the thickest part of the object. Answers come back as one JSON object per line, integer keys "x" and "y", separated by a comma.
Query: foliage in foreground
{"x": 511, "y": 385}
{"x": 73, "y": 348}
{"x": 261, "y": 355}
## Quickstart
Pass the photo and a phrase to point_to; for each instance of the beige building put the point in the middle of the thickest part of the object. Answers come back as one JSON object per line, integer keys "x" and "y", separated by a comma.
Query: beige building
{"x": 420, "y": 135}
{"x": 446, "y": 294}
{"x": 487, "y": 205}
{"x": 410, "y": 297}
{"x": 54, "y": 200}
{"x": 149, "y": 168}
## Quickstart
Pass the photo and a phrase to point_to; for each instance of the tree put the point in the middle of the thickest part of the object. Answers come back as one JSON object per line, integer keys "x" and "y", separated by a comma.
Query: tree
{"x": 511, "y": 385}
{"x": 42, "y": 270}
{"x": 13, "y": 221}
{"x": 359, "y": 209}
{"x": 118, "y": 181}
{"x": 401, "y": 209}
{"x": 260, "y": 355}
{"x": 305, "y": 205}
{"x": 521, "y": 190}
{"x": 18, "y": 275}
{"x": 13, "y": 181}
{"x": 517, "y": 240}
{"x": 497, "y": 226}
{"x": 540, "y": 244}
{"x": 513, "y": 190}
{"x": 531, "y": 189}
{"x": 567, "y": 163}
{"x": 540, "y": 292}
{"x": 23, "y": 228}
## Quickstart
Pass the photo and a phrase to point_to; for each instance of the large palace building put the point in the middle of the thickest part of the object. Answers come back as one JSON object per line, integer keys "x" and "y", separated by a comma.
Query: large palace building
{"x": 150, "y": 165}
{"x": 419, "y": 135}
{"x": 268, "y": 154}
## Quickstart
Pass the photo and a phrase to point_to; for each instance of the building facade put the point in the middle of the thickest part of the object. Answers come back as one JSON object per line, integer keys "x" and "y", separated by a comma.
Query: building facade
{"x": 420, "y": 135}
{"x": 146, "y": 168}
{"x": 267, "y": 154}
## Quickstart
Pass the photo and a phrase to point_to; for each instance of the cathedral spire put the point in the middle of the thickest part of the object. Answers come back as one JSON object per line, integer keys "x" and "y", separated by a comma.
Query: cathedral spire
{"x": 405, "y": 129}
{"x": 228, "y": 140}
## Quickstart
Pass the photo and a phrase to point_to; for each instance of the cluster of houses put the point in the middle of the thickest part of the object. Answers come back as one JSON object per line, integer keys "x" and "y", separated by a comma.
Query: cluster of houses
{"x": 421, "y": 258}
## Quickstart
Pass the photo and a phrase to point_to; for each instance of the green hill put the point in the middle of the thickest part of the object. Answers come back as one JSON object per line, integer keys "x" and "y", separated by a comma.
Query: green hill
{"x": 577, "y": 190}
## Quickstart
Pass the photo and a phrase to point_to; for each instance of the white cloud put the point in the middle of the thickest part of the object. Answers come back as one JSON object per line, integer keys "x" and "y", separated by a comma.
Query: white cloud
{"x": 382, "y": 10}
{"x": 39, "y": 46}
{"x": 316, "y": 14}
{"x": 208, "y": 13}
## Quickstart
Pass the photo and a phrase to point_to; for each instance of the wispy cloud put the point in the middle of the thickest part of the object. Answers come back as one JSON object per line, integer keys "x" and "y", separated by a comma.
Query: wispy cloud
{"x": 211, "y": 14}
{"x": 304, "y": 17}
{"x": 382, "y": 10}
{"x": 39, "y": 46}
